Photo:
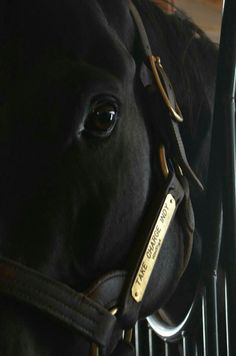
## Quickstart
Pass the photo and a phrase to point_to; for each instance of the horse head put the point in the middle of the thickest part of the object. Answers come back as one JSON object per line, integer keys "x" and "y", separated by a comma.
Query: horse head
{"x": 80, "y": 135}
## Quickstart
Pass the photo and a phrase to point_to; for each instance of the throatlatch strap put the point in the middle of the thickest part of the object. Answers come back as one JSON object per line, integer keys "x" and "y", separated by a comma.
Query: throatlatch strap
{"x": 74, "y": 309}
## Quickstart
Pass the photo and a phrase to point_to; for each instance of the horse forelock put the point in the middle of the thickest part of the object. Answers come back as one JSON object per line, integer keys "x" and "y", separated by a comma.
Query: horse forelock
{"x": 69, "y": 28}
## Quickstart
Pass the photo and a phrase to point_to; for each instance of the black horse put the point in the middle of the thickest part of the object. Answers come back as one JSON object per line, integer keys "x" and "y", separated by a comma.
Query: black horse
{"x": 80, "y": 169}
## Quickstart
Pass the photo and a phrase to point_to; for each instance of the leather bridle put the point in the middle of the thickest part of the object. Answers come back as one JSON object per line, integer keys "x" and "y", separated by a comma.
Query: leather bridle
{"x": 91, "y": 314}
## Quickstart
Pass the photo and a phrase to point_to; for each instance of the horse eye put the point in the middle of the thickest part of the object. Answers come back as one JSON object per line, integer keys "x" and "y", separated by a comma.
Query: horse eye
{"x": 102, "y": 119}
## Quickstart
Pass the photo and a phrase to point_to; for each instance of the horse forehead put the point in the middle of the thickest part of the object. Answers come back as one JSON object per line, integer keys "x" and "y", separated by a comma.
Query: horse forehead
{"x": 86, "y": 30}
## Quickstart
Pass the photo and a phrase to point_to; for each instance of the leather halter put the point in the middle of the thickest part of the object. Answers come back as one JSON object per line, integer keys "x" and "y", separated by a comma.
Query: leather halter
{"x": 88, "y": 313}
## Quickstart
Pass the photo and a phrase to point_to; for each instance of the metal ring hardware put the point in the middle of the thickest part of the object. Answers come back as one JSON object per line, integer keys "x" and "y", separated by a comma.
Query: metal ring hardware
{"x": 175, "y": 112}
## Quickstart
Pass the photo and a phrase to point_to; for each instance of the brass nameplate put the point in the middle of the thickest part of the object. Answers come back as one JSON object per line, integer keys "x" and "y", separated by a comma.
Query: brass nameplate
{"x": 153, "y": 248}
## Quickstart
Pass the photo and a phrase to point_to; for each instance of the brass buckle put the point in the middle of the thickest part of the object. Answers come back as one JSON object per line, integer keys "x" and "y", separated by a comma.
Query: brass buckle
{"x": 164, "y": 164}
{"x": 94, "y": 351}
{"x": 163, "y": 161}
{"x": 127, "y": 336}
{"x": 175, "y": 112}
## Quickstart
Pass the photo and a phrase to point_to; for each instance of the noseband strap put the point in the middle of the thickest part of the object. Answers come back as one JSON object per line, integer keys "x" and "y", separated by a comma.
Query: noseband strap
{"x": 75, "y": 310}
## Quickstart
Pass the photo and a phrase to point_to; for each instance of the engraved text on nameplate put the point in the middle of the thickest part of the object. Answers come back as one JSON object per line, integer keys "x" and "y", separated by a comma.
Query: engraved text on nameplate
{"x": 153, "y": 248}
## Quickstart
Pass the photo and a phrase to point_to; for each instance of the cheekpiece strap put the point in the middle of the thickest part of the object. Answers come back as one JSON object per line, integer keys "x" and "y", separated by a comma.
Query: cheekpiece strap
{"x": 157, "y": 75}
{"x": 139, "y": 279}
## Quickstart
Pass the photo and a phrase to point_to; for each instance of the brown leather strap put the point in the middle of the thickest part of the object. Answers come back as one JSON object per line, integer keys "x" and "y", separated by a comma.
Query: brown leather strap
{"x": 170, "y": 126}
{"x": 75, "y": 310}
